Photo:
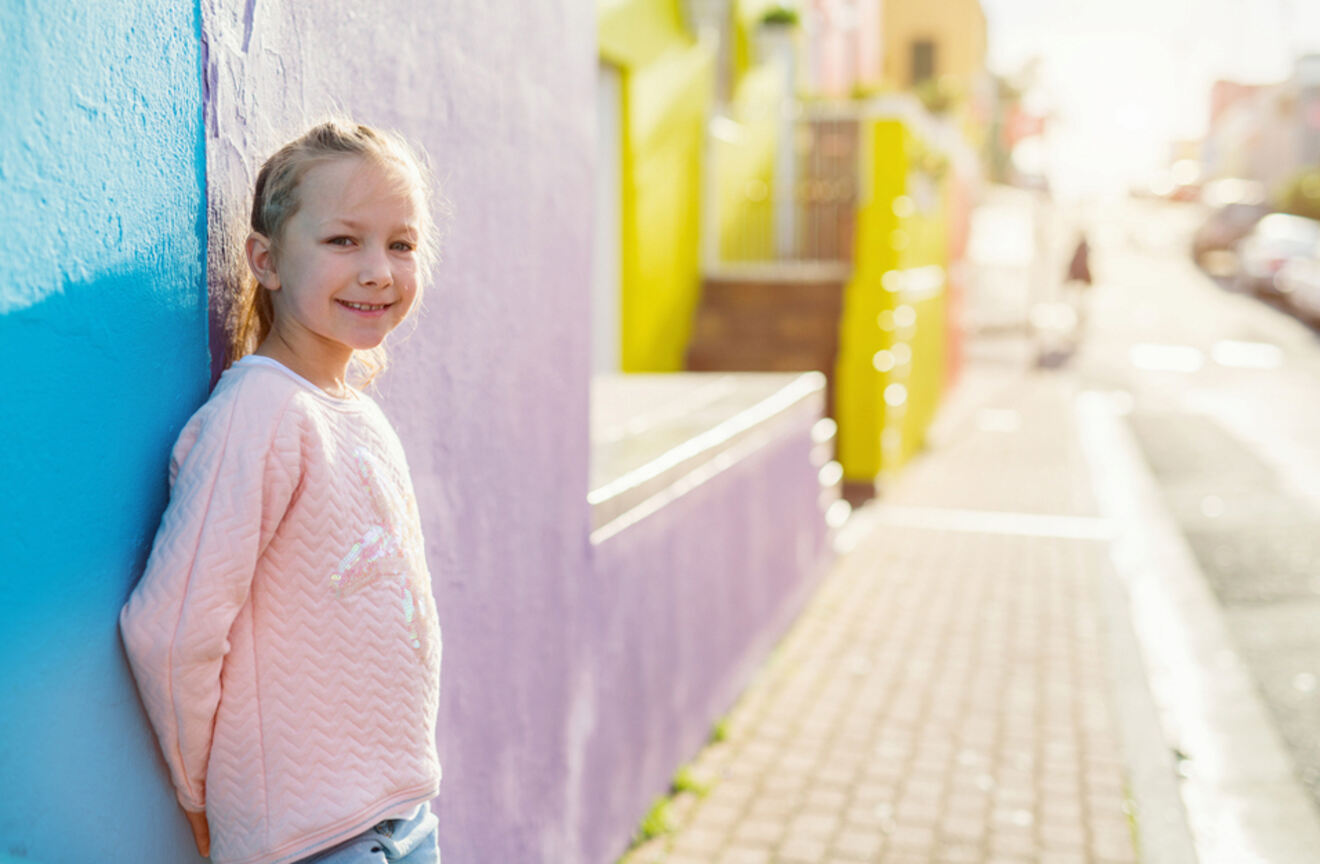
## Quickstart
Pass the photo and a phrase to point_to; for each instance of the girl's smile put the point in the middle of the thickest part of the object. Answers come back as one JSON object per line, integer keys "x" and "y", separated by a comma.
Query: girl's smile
{"x": 364, "y": 308}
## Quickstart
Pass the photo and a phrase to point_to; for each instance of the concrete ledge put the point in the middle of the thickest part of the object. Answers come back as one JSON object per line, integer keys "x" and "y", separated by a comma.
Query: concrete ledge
{"x": 650, "y": 433}
{"x": 712, "y": 498}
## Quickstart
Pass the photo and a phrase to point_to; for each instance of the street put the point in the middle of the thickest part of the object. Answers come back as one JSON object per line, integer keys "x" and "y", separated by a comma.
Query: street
{"x": 1223, "y": 391}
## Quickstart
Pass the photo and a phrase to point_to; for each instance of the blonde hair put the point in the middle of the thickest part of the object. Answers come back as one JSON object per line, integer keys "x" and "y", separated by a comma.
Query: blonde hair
{"x": 275, "y": 201}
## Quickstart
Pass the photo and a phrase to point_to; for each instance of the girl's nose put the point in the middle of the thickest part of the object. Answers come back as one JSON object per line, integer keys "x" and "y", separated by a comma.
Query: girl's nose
{"x": 375, "y": 270}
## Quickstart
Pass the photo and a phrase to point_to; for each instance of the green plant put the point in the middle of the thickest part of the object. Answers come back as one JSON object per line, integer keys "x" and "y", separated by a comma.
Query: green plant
{"x": 656, "y": 822}
{"x": 780, "y": 15}
{"x": 1301, "y": 194}
{"x": 867, "y": 90}
{"x": 1130, "y": 810}
{"x": 927, "y": 160}
{"x": 687, "y": 780}
{"x": 720, "y": 731}
{"x": 939, "y": 95}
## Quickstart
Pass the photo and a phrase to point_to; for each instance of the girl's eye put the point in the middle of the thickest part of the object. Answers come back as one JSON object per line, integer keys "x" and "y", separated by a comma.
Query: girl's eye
{"x": 340, "y": 241}
{"x": 403, "y": 246}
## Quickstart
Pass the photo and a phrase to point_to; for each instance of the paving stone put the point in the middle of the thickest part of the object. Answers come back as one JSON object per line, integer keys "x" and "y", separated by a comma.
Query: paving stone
{"x": 827, "y": 798}
{"x": 682, "y": 807}
{"x": 921, "y": 812}
{"x": 802, "y": 850}
{"x": 959, "y": 852}
{"x": 1052, "y": 856}
{"x": 682, "y": 858}
{"x": 912, "y": 838}
{"x": 817, "y": 825}
{"x": 715, "y": 816}
{"x": 758, "y": 832}
{"x": 1059, "y": 838}
{"x": 902, "y": 856}
{"x": 697, "y": 842}
{"x": 858, "y": 843}
{"x": 773, "y": 806}
{"x": 953, "y": 827}
{"x": 1013, "y": 842}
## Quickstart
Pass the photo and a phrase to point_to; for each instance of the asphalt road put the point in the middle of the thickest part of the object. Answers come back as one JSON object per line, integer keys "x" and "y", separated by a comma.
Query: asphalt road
{"x": 1225, "y": 404}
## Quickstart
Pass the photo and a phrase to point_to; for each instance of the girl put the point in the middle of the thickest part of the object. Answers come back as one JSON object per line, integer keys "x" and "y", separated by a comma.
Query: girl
{"x": 284, "y": 636}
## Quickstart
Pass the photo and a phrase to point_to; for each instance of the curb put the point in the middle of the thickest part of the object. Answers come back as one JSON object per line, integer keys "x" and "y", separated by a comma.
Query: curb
{"x": 1181, "y": 687}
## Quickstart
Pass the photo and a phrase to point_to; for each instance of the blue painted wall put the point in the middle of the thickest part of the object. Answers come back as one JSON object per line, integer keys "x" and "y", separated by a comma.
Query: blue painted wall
{"x": 103, "y": 353}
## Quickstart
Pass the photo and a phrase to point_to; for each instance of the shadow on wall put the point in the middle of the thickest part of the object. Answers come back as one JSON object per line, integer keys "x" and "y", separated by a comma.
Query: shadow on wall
{"x": 102, "y": 376}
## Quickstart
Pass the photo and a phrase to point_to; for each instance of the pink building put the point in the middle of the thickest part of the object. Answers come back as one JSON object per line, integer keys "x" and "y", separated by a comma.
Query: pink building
{"x": 843, "y": 45}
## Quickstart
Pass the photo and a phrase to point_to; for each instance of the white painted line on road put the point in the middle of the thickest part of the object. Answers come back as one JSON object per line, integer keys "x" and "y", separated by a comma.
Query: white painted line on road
{"x": 1243, "y": 803}
{"x": 1247, "y": 355}
{"x": 994, "y": 522}
{"x": 1165, "y": 358}
{"x": 1229, "y": 353}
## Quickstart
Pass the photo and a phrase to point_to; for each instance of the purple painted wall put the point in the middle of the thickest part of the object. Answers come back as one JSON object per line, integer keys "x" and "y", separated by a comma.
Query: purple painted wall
{"x": 489, "y": 393}
{"x": 682, "y": 608}
{"x": 576, "y": 678}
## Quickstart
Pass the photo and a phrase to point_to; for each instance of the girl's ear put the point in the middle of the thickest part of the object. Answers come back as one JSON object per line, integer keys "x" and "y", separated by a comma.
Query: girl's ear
{"x": 262, "y": 261}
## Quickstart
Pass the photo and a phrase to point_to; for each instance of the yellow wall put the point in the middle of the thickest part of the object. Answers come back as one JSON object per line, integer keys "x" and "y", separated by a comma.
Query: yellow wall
{"x": 665, "y": 80}
{"x": 957, "y": 27}
{"x": 744, "y": 169}
{"x": 892, "y": 339}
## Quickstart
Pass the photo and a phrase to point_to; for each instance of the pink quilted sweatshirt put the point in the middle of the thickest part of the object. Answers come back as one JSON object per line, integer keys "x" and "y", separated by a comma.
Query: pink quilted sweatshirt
{"x": 284, "y": 636}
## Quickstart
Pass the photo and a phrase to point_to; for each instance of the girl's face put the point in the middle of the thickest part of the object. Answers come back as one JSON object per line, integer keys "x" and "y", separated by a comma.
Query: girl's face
{"x": 344, "y": 273}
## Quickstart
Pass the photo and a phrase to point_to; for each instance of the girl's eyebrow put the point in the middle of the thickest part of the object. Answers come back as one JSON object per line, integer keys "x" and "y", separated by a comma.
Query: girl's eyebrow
{"x": 341, "y": 220}
{"x": 353, "y": 224}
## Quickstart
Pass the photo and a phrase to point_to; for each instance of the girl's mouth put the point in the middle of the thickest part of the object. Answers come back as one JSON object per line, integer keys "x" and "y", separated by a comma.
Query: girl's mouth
{"x": 365, "y": 308}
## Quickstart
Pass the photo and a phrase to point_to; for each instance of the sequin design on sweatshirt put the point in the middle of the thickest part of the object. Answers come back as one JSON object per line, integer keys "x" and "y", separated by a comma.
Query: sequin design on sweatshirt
{"x": 391, "y": 548}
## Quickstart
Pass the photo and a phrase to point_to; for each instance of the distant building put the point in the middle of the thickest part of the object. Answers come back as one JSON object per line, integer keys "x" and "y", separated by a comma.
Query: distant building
{"x": 931, "y": 39}
{"x": 843, "y": 45}
{"x": 1306, "y": 75}
{"x": 1265, "y": 132}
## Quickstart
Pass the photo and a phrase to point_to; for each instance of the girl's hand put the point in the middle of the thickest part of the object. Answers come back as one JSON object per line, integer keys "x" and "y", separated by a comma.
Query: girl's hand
{"x": 201, "y": 832}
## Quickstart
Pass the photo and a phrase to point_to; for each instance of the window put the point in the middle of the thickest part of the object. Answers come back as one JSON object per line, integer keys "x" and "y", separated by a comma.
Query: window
{"x": 923, "y": 60}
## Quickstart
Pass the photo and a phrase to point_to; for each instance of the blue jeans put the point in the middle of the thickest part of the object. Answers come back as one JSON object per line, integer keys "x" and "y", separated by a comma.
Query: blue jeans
{"x": 411, "y": 840}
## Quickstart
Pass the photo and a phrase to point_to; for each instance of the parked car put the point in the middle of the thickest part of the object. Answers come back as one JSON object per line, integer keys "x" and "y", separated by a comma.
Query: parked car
{"x": 1225, "y": 226}
{"x": 1263, "y": 252}
{"x": 1299, "y": 282}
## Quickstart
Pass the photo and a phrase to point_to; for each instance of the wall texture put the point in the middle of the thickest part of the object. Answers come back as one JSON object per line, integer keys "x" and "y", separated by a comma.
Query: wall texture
{"x": 103, "y": 343}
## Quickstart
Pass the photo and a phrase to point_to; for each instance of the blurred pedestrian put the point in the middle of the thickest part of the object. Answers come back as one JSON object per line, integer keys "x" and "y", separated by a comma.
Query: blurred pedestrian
{"x": 284, "y": 636}
{"x": 1079, "y": 268}
{"x": 1077, "y": 283}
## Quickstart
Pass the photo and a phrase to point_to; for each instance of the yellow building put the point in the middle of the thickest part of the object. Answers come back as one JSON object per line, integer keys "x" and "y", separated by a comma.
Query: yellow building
{"x": 931, "y": 39}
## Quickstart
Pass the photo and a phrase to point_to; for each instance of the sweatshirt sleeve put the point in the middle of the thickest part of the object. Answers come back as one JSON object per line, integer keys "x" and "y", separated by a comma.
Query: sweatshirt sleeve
{"x": 233, "y": 475}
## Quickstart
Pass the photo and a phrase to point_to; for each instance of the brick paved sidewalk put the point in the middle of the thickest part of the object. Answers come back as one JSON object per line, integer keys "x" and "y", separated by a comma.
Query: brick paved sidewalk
{"x": 944, "y": 696}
